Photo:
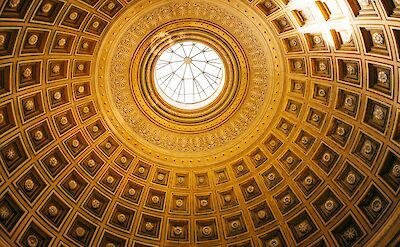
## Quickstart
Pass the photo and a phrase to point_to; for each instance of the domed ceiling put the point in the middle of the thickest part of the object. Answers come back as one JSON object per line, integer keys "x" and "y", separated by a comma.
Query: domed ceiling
{"x": 183, "y": 123}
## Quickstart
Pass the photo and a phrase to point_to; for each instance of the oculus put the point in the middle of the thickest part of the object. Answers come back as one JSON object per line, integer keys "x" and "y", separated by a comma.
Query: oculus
{"x": 189, "y": 75}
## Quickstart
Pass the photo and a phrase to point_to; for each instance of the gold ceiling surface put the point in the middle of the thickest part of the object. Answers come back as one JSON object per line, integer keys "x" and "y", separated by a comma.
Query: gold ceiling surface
{"x": 301, "y": 148}
{"x": 189, "y": 138}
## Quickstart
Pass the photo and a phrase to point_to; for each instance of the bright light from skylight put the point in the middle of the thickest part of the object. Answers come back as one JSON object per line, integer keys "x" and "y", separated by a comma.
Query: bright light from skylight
{"x": 189, "y": 75}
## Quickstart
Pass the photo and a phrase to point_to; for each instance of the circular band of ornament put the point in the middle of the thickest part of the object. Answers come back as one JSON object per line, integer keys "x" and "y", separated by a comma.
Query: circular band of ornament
{"x": 133, "y": 110}
{"x": 236, "y": 76}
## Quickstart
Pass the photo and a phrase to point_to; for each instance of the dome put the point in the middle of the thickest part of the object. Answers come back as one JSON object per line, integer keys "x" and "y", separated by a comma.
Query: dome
{"x": 199, "y": 123}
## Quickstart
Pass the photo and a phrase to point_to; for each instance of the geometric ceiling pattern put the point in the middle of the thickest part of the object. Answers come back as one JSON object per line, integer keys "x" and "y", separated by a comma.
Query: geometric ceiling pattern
{"x": 325, "y": 170}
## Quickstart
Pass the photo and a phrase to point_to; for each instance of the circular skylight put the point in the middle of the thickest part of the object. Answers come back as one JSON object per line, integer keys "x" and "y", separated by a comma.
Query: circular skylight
{"x": 189, "y": 75}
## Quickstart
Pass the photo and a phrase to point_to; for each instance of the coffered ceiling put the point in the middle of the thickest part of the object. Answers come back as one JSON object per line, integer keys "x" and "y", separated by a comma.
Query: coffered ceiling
{"x": 302, "y": 147}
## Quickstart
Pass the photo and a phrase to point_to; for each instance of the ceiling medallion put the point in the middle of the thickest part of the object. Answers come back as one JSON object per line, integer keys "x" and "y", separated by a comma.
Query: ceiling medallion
{"x": 168, "y": 120}
{"x": 177, "y": 117}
